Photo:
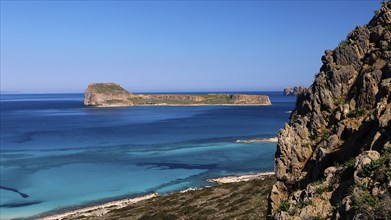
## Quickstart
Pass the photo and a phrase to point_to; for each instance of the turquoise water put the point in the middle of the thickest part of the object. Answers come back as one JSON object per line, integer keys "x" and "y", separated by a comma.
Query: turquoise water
{"x": 56, "y": 153}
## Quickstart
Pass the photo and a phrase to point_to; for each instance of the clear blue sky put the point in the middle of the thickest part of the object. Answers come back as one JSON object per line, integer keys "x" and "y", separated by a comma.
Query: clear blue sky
{"x": 61, "y": 46}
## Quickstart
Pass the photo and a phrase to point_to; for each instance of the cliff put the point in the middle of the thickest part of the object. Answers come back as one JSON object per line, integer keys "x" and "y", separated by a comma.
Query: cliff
{"x": 333, "y": 157}
{"x": 294, "y": 91}
{"x": 113, "y": 95}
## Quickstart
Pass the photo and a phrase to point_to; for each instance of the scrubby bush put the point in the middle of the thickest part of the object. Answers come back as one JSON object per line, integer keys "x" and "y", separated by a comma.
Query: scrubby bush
{"x": 356, "y": 113}
{"x": 344, "y": 43}
{"x": 368, "y": 169}
{"x": 285, "y": 205}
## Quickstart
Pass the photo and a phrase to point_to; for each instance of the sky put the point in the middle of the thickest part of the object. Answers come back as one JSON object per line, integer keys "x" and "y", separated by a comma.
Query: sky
{"x": 170, "y": 46}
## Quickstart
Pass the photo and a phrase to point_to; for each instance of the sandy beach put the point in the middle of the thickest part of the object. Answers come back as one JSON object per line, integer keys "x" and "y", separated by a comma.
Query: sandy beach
{"x": 243, "y": 178}
{"x": 96, "y": 211}
{"x": 99, "y": 210}
{"x": 249, "y": 141}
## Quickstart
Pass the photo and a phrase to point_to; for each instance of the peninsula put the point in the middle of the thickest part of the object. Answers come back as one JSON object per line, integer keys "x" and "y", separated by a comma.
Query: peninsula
{"x": 113, "y": 95}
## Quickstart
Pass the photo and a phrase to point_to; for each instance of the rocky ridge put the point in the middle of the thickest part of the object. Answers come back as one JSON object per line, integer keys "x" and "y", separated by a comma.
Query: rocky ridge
{"x": 113, "y": 95}
{"x": 333, "y": 159}
{"x": 294, "y": 91}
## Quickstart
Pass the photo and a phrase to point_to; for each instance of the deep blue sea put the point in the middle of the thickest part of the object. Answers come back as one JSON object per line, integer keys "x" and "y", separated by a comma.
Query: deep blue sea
{"x": 56, "y": 153}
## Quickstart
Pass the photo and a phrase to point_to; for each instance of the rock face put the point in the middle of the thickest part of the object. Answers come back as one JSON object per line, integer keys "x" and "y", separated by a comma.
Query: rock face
{"x": 106, "y": 94}
{"x": 295, "y": 90}
{"x": 113, "y": 95}
{"x": 333, "y": 158}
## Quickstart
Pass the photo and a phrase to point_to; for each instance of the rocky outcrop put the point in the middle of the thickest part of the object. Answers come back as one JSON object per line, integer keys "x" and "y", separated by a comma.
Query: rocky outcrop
{"x": 295, "y": 90}
{"x": 333, "y": 158}
{"x": 102, "y": 94}
{"x": 113, "y": 95}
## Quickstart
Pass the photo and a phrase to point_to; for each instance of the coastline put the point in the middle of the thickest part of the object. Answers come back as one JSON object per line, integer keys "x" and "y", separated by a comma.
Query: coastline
{"x": 242, "y": 178}
{"x": 255, "y": 140}
{"x": 190, "y": 105}
{"x": 95, "y": 211}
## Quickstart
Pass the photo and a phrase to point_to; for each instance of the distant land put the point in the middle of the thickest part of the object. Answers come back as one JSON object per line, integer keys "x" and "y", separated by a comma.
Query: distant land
{"x": 113, "y": 95}
{"x": 294, "y": 91}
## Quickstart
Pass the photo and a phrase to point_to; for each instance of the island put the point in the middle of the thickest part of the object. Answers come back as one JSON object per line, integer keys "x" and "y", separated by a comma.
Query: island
{"x": 113, "y": 95}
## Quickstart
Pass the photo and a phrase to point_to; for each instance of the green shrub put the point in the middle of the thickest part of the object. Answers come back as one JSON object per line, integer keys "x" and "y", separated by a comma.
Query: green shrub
{"x": 326, "y": 134}
{"x": 348, "y": 164}
{"x": 356, "y": 113}
{"x": 301, "y": 204}
{"x": 344, "y": 43}
{"x": 306, "y": 145}
{"x": 362, "y": 199}
{"x": 322, "y": 189}
{"x": 285, "y": 205}
{"x": 317, "y": 182}
{"x": 371, "y": 69}
{"x": 368, "y": 169}
{"x": 348, "y": 169}
{"x": 388, "y": 173}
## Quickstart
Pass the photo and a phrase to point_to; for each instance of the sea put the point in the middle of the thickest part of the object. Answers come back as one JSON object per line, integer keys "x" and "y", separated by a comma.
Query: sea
{"x": 57, "y": 154}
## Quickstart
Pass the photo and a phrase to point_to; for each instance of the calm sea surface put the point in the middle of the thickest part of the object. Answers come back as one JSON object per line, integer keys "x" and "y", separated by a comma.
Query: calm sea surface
{"x": 56, "y": 153}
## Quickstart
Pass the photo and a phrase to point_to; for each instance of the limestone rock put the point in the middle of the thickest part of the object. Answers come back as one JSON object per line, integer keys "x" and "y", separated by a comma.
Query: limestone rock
{"x": 295, "y": 90}
{"x": 335, "y": 152}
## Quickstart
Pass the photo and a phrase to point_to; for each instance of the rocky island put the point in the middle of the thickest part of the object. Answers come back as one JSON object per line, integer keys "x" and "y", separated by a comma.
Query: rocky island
{"x": 113, "y": 95}
{"x": 333, "y": 159}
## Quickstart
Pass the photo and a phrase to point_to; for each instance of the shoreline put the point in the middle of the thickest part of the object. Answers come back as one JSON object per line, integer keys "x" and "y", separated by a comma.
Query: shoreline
{"x": 255, "y": 140}
{"x": 173, "y": 105}
{"x": 241, "y": 178}
{"x": 102, "y": 209}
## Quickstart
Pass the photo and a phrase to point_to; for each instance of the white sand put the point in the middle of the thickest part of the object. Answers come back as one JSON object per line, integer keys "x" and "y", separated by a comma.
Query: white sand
{"x": 99, "y": 210}
{"x": 244, "y": 178}
{"x": 272, "y": 139}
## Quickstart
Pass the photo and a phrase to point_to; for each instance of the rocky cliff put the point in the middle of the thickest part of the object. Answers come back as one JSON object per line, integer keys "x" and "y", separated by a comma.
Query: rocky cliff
{"x": 333, "y": 158}
{"x": 106, "y": 94}
{"x": 294, "y": 91}
{"x": 113, "y": 95}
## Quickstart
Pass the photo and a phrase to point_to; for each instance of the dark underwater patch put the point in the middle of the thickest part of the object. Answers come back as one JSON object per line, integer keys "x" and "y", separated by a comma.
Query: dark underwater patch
{"x": 181, "y": 165}
{"x": 19, "y": 204}
{"x": 14, "y": 190}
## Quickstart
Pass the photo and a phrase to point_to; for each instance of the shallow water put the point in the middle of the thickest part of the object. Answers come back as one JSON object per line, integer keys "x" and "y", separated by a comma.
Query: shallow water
{"x": 62, "y": 154}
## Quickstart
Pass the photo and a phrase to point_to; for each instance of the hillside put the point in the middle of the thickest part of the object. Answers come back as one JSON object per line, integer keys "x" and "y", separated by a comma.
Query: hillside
{"x": 333, "y": 158}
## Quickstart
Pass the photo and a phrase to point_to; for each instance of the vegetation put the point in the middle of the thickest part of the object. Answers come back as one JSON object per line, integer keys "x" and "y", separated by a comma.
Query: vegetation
{"x": 368, "y": 169}
{"x": 285, "y": 205}
{"x": 371, "y": 69}
{"x": 243, "y": 200}
{"x": 108, "y": 88}
{"x": 362, "y": 199}
{"x": 356, "y": 113}
{"x": 321, "y": 189}
{"x": 344, "y": 43}
{"x": 348, "y": 169}
{"x": 301, "y": 204}
{"x": 326, "y": 134}
{"x": 306, "y": 145}
{"x": 340, "y": 100}
{"x": 348, "y": 164}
